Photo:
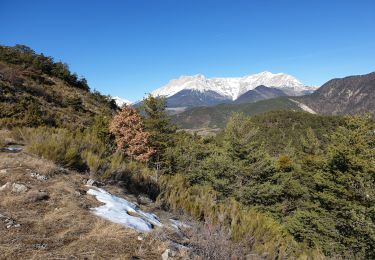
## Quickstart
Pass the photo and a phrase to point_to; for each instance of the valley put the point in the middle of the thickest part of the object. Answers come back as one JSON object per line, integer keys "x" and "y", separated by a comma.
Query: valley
{"x": 271, "y": 173}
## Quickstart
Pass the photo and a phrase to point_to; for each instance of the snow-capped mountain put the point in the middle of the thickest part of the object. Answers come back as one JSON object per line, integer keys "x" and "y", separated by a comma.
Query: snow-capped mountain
{"x": 232, "y": 88}
{"x": 120, "y": 101}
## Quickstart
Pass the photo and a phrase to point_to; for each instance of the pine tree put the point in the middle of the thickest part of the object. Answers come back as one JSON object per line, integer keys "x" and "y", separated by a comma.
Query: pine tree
{"x": 346, "y": 188}
{"x": 241, "y": 145}
{"x": 157, "y": 123}
{"x": 130, "y": 136}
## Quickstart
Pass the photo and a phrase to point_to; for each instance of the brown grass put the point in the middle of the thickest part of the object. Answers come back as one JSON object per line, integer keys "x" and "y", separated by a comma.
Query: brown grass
{"x": 62, "y": 224}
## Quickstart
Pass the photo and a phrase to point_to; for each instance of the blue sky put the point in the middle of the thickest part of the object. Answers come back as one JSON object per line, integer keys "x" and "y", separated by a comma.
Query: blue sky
{"x": 130, "y": 47}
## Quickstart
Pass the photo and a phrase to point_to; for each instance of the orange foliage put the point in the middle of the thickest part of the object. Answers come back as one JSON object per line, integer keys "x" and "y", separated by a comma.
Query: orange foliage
{"x": 127, "y": 127}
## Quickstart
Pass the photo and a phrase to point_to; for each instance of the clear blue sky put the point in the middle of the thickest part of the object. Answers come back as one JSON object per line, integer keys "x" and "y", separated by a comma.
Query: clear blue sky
{"x": 131, "y": 47}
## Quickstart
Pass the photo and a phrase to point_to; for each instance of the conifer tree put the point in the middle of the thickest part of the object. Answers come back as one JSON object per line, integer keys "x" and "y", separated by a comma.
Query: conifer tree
{"x": 347, "y": 187}
{"x": 241, "y": 146}
{"x": 157, "y": 123}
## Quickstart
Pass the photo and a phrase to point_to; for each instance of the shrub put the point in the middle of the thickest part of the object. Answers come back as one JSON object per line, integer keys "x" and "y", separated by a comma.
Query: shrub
{"x": 130, "y": 136}
{"x": 95, "y": 162}
{"x": 201, "y": 201}
{"x": 75, "y": 103}
{"x": 59, "y": 145}
{"x": 214, "y": 242}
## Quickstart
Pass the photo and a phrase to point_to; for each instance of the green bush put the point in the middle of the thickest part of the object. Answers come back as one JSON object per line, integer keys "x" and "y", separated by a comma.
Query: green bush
{"x": 261, "y": 232}
{"x": 58, "y": 145}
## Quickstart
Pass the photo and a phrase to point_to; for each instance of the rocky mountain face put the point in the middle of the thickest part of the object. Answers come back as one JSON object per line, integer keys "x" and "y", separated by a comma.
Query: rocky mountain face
{"x": 194, "y": 98}
{"x": 349, "y": 95}
{"x": 190, "y": 91}
{"x": 259, "y": 93}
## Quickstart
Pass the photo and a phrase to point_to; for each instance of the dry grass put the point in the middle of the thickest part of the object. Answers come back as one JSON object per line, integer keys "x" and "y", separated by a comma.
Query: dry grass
{"x": 61, "y": 227}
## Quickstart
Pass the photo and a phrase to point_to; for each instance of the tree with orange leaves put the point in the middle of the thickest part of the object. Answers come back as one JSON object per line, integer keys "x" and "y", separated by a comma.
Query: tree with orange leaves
{"x": 130, "y": 136}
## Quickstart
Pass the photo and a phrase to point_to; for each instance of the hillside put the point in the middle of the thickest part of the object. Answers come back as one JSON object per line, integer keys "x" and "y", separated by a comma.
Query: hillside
{"x": 259, "y": 93}
{"x": 345, "y": 96}
{"x": 217, "y": 116}
{"x": 280, "y": 129}
{"x": 80, "y": 178}
{"x": 46, "y": 211}
{"x": 36, "y": 90}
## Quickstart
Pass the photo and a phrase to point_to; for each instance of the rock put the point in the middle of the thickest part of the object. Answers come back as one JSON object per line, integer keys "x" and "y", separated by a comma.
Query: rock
{"x": 139, "y": 238}
{"x": 166, "y": 254}
{"x": 3, "y": 171}
{"x": 19, "y": 188}
{"x": 6, "y": 186}
{"x": 38, "y": 196}
{"x": 17, "y": 225}
{"x": 38, "y": 176}
{"x": 79, "y": 192}
{"x": 143, "y": 200}
{"x": 177, "y": 247}
{"x": 92, "y": 182}
{"x": 9, "y": 221}
{"x": 40, "y": 246}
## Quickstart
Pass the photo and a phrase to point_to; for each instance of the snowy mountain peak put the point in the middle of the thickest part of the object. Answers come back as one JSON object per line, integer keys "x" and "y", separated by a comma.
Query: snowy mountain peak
{"x": 120, "y": 101}
{"x": 232, "y": 87}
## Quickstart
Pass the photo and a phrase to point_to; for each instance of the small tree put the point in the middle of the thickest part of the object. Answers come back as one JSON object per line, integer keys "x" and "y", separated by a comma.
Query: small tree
{"x": 157, "y": 123}
{"x": 127, "y": 128}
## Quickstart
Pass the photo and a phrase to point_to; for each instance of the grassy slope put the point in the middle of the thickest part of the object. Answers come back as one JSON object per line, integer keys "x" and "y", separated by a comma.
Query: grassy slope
{"x": 29, "y": 97}
{"x": 63, "y": 224}
{"x": 217, "y": 116}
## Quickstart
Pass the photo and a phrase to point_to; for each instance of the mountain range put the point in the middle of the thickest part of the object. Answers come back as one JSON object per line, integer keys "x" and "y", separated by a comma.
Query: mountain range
{"x": 197, "y": 90}
{"x": 198, "y": 102}
{"x": 349, "y": 95}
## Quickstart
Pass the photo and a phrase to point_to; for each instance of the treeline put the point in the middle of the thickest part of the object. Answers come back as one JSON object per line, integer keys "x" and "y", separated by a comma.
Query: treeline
{"x": 28, "y": 58}
{"x": 323, "y": 194}
{"x": 319, "y": 184}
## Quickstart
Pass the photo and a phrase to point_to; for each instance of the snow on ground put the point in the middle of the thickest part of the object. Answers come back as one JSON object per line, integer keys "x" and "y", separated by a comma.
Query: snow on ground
{"x": 303, "y": 107}
{"x": 121, "y": 211}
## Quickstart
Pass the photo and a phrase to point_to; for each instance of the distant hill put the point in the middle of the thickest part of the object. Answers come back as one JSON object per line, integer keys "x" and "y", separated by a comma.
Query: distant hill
{"x": 259, "y": 93}
{"x": 350, "y": 95}
{"x": 217, "y": 116}
{"x": 36, "y": 90}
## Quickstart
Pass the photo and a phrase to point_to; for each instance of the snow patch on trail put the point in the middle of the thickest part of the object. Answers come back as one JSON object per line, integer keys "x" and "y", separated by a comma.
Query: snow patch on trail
{"x": 121, "y": 211}
{"x": 304, "y": 107}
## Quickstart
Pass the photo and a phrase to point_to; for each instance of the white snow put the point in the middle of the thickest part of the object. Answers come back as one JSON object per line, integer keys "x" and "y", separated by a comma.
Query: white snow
{"x": 231, "y": 87}
{"x": 121, "y": 101}
{"x": 121, "y": 211}
{"x": 304, "y": 107}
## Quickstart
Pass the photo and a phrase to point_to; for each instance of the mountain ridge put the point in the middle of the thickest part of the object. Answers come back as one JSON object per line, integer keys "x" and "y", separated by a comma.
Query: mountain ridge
{"x": 232, "y": 87}
{"x": 349, "y": 95}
